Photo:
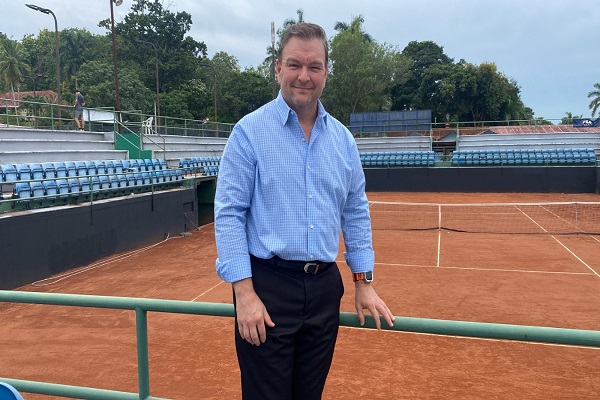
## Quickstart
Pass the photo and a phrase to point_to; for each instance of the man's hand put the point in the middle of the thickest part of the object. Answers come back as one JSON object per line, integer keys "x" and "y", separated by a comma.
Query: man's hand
{"x": 366, "y": 298}
{"x": 251, "y": 313}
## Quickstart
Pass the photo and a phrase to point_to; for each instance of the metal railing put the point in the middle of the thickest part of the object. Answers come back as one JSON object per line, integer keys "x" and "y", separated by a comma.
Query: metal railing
{"x": 32, "y": 114}
{"x": 142, "y": 306}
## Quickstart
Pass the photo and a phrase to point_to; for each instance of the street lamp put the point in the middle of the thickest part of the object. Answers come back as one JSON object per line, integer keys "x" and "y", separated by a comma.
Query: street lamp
{"x": 56, "y": 43}
{"x": 212, "y": 65}
{"x": 157, "y": 87}
{"x": 34, "y": 81}
{"x": 115, "y": 68}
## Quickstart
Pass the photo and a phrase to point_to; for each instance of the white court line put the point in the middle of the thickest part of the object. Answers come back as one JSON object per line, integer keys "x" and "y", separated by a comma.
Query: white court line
{"x": 439, "y": 250}
{"x": 563, "y": 245}
{"x": 491, "y": 269}
{"x": 202, "y": 294}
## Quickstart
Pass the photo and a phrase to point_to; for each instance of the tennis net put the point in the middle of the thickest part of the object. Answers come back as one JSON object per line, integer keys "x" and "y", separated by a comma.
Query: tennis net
{"x": 564, "y": 218}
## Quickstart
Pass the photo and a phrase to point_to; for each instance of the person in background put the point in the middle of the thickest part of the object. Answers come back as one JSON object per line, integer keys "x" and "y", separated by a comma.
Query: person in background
{"x": 79, "y": 103}
{"x": 290, "y": 177}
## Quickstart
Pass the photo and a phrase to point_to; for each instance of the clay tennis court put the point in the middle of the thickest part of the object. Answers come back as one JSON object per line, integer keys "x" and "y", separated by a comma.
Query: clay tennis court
{"x": 541, "y": 279}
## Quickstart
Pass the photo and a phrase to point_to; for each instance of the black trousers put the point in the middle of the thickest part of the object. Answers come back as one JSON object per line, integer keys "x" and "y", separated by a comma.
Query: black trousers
{"x": 294, "y": 361}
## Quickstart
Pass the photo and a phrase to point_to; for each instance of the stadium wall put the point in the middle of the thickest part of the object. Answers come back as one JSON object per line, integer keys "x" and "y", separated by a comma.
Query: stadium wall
{"x": 580, "y": 179}
{"x": 37, "y": 244}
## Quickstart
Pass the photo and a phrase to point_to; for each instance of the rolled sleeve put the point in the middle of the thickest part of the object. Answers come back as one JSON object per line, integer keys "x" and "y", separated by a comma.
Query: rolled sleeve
{"x": 235, "y": 269}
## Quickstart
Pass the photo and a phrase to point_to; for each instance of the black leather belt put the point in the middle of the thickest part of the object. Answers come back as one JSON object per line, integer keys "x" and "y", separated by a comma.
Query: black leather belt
{"x": 309, "y": 267}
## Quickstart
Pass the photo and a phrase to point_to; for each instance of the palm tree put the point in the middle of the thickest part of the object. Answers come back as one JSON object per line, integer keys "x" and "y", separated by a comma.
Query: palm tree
{"x": 291, "y": 21}
{"x": 13, "y": 64}
{"x": 354, "y": 27}
{"x": 286, "y": 24}
{"x": 595, "y": 95}
{"x": 75, "y": 43}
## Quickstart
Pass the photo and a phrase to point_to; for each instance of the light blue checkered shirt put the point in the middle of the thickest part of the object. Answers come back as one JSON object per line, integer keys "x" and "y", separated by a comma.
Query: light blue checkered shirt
{"x": 279, "y": 195}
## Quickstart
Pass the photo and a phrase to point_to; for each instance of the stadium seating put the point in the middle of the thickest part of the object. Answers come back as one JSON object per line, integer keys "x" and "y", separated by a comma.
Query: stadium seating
{"x": 47, "y": 184}
{"x": 399, "y": 159}
{"x": 538, "y": 157}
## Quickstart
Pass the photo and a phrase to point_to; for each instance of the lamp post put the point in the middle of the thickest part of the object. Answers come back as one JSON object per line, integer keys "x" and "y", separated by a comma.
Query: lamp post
{"x": 56, "y": 43}
{"x": 34, "y": 81}
{"x": 273, "y": 59}
{"x": 115, "y": 68}
{"x": 157, "y": 87}
{"x": 212, "y": 65}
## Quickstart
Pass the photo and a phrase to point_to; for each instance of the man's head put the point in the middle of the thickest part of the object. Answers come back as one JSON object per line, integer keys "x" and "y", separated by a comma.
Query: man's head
{"x": 302, "y": 65}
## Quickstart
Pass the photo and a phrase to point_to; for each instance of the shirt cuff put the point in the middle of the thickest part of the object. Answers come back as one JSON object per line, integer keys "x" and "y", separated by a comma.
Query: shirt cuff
{"x": 360, "y": 261}
{"x": 235, "y": 269}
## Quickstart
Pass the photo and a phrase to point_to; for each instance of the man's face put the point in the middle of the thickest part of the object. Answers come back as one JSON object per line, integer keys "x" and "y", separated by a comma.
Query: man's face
{"x": 302, "y": 73}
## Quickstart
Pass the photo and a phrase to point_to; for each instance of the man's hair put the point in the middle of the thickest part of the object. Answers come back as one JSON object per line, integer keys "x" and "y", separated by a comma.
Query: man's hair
{"x": 305, "y": 31}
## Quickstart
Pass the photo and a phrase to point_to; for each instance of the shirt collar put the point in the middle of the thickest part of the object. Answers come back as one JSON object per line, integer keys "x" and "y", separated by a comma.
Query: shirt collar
{"x": 284, "y": 111}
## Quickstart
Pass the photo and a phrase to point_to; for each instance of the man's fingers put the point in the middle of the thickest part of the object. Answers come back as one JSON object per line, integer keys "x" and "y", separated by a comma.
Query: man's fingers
{"x": 361, "y": 317}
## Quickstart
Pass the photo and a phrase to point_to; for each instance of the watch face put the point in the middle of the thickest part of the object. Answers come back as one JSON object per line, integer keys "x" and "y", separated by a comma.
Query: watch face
{"x": 368, "y": 276}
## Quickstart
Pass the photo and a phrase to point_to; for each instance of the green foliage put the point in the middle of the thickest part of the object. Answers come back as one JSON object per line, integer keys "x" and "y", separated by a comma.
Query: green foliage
{"x": 362, "y": 73}
{"x": 457, "y": 91}
{"x": 13, "y": 62}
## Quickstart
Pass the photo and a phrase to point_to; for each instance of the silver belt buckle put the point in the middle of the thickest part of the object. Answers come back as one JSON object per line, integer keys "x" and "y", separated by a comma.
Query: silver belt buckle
{"x": 310, "y": 264}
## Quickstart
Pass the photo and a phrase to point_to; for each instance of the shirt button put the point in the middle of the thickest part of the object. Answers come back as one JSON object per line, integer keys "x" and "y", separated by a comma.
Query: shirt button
{"x": 308, "y": 167}
{"x": 311, "y": 257}
{"x": 310, "y": 196}
{"x": 311, "y": 226}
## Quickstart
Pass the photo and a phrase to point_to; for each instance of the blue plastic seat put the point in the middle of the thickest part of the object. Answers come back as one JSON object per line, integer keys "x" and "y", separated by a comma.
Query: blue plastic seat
{"x": 63, "y": 188}
{"x": 37, "y": 171}
{"x": 100, "y": 167}
{"x": 71, "y": 169}
{"x": 109, "y": 166}
{"x": 92, "y": 169}
{"x": 49, "y": 170}
{"x": 118, "y": 166}
{"x": 130, "y": 179}
{"x": 24, "y": 172}
{"x": 134, "y": 165}
{"x": 81, "y": 168}
{"x": 37, "y": 190}
{"x": 61, "y": 169}
{"x": 142, "y": 167}
{"x": 149, "y": 164}
{"x": 74, "y": 187}
{"x": 10, "y": 174}
{"x": 104, "y": 182}
{"x": 22, "y": 190}
{"x": 50, "y": 189}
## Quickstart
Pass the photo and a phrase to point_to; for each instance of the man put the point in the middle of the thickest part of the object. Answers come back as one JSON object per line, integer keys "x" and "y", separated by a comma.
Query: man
{"x": 289, "y": 178}
{"x": 79, "y": 103}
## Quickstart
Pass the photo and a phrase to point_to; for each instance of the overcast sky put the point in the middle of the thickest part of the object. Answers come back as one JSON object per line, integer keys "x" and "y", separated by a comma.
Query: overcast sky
{"x": 550, "y": 47}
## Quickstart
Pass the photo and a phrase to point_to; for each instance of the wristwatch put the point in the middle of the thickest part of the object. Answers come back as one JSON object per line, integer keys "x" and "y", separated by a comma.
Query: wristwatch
{"x": 366, "y": 277}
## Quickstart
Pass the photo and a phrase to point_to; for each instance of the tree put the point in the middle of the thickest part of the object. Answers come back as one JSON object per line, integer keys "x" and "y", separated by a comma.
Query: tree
{"x": 362, "y": 73}
{"x": 99, "y": 86}
{"x": 13, "y": 63}
{"x": 355, "y": 26}
{"x": 595, "y": 95}
{"x": 164, "y": 30}
{"x": 75, "y": 43}
{"x": 568, "y": 118}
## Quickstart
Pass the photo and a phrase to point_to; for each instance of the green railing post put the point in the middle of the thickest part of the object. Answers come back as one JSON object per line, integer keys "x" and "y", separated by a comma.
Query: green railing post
{"x": 141, "y": 330}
